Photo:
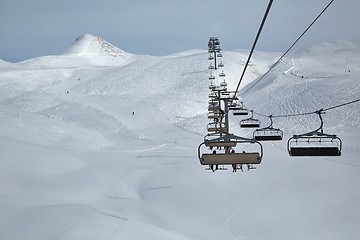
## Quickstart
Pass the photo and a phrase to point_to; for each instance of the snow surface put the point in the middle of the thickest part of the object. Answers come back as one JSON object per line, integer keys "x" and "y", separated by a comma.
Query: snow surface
{"x": 76, "y": 163}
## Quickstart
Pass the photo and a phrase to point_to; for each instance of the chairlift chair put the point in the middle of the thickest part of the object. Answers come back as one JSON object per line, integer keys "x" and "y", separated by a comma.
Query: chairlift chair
{"x": 315, "y": 143}
{"x": 225, "y": 158}
{"x": 213, "y": 108}
{"x": 217, "y": 127}
{"x": 250, "y": 122}
{"x": 213, "y": 101}
{"x": 221, "y": 88}
{"x": 212, "y": 95}
{"x": 223, "y": 84}
{"x": 215, "y": 140}
{"x": 212, "y": 86}
{"x": 268, "y": 133}
{"x": 215, "y": 115}
{"x": 239, "y": 109}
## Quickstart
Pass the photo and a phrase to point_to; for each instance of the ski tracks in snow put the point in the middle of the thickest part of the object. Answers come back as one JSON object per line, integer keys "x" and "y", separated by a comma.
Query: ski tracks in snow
{"x": 313, "y": 226}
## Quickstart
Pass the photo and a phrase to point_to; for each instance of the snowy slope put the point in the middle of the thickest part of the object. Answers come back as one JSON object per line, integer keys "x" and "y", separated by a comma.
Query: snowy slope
{"x": 323, "y": 76}
{"x": 76, "y": 163}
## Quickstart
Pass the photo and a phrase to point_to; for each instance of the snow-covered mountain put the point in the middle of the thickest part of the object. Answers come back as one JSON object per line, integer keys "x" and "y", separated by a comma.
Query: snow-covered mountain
{"x": 97, "y": 143}
{"x": 87, "y": 51}
{"x": 94, "y": 45}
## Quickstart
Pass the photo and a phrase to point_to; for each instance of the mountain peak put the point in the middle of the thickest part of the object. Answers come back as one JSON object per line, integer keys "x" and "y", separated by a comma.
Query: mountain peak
{"x": 94, "y": 45}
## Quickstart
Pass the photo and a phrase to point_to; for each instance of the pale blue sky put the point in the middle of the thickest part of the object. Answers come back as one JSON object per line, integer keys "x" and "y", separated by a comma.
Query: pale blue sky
{"x": 32, "y": 28}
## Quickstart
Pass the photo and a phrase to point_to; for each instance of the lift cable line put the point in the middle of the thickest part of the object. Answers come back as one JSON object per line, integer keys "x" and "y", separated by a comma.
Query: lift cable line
{"x": 307, "y": 113}
{"x": 282, "y": 56}
{"x": 253, "y": 47}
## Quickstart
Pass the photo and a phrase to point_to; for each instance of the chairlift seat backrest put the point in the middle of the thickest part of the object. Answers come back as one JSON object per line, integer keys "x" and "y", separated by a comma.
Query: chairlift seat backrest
{"x": 268, "y": 138}
{"x": 314, "y": 151}
{"x": 240, "y": 112}
{"x": 230, "y": 158}
{"x": 250, "y": 123}
{"x": 268, "y": 134}
{"x": 217, "y": 128}
{"x": 317, "y": 144}
{"x": 221, "y": 144}
{"x": 213, "y": 116}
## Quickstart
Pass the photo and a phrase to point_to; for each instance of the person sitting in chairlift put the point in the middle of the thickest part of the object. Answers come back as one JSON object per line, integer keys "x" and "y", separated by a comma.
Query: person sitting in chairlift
{"x": 234, "y": 167}
{"x": 227, "y": 149}
{"x": 250, "y": 166}
{"x": 241, "y": 168}
{"x": 212, "y": 165}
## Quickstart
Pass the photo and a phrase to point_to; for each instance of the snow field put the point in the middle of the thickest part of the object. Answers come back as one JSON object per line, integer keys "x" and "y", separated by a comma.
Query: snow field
{"x": 77, "y": 164}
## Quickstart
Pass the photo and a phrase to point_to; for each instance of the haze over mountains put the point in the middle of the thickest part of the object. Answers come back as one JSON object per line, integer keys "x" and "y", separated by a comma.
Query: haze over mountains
{"x": 76, "y": 163}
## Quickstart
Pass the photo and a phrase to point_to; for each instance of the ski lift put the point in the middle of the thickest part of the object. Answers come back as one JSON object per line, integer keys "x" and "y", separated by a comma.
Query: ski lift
{"x": 215, "y": 115}
{"x": 213, "y": 101}
{"x": 211, "y": 57}
{"x": 212, "y": 86}
{"x": 212, "y": 95}
{"x": 315, "y": 143}
{"x": 268, "y": 133}
{"x": 220, "y": 144}
{"x": 220, "y": 65}
{"x": 228, "y": 158}
{"x": 211, "y": 67}
{"x": 219, "y": 54}
{"x": 213, "y": 105}
{"x": 239, "y": 110}
{"x": 213, "y": 108}
{"x": 222, "y": 74}
{"x": 217, "y": 127}
{"x": 220, "y": 88}
{"x": 223, "y": 84}
{"x": 250, "y": 122}
{"x": 211, "y": 77}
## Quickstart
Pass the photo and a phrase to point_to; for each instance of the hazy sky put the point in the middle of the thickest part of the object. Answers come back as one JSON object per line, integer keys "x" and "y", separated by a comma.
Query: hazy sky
{"x": 32, "y": 28}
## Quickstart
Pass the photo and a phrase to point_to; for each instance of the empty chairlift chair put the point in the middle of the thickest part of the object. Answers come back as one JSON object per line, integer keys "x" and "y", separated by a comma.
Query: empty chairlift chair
{"x": 268, "y": 133}
{"x": 211, "y": 77}
{"x": 239, "y": 110}
{"x": 250, "y": 122}
{"x": 315, "y": 143}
